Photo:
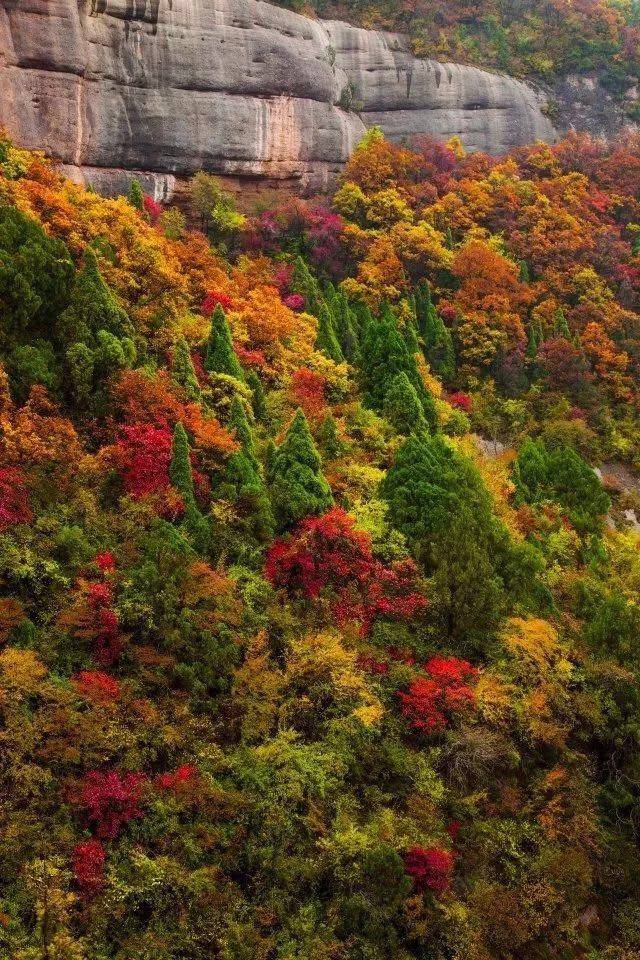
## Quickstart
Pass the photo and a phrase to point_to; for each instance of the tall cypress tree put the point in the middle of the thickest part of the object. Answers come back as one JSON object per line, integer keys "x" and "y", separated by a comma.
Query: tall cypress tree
{"x": 561, "y": 325}
{"x": 92, "y": 307}
{"x": 258, "y": 399}
{"x": 219, "y": 354}
{"x": 328, "y": 437}
{"x": 244, "y": 487}
{"x": 326, "y": 340}
{"x": 298, "y": 486}
{"x": 304, "y": 283}
{"x": 180, "y": 467}
{"x": 183, "y": 371}
{"x": 437, "y": 344}
{"x": 346, "y": 326}
{"x": 532, "y": 343}
{"x": 402, "y": 407}
{"x": 238, "y": 421}
{"x": 384, "y": 354}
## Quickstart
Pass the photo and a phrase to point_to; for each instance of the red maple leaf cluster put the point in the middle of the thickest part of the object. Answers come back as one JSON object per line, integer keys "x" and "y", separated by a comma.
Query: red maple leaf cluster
{"x": 96, "y": 685}
{"x": 444, "y": 690}
{"x": 108, "y": 645}
{"x": 431, "y": 868}
{"x": 110, "y": 800}
{"x": 328, "y": 552}
{"x": 211, "y": 301}
{"x": 461, "y": 401}
{"x": 152, "y": 208}
{"x": 14, "y": 499}
{"x": 105, "y": 561}
{"x": 143, "y": 455}
{"x": 295, "y": 301}
{"x": 88, "y": 866}
{"x": 308, "y": 391}
{"x": 254, "y": 359}
{"x": 181, "y": 775}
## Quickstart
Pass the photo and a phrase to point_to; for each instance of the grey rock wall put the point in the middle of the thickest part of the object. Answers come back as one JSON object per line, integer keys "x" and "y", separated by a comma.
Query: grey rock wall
{"x": 238, "y": 87}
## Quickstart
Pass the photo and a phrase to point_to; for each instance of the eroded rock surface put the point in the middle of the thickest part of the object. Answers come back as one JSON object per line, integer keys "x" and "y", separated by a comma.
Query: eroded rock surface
{"x": 239, "y": 87}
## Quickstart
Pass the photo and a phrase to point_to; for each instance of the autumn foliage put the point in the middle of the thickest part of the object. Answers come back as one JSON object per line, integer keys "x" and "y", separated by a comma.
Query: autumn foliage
{"x": 446, "y": 689}
{"x": 319, "y": 577}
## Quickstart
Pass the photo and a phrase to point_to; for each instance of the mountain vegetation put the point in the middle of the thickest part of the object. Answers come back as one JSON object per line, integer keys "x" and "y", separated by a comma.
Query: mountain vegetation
{"x": 318, "y": 627}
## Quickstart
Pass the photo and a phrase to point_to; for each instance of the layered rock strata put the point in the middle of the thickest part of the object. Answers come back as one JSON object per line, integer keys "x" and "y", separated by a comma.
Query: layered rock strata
{"x": 162, "y": 88}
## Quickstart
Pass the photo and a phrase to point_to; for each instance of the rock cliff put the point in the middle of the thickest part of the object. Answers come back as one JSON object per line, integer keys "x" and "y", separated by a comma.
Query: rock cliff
{"x": 239, "y": 87}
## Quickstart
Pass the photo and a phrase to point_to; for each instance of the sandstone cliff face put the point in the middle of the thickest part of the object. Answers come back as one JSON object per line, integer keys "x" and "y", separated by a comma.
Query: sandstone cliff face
{"x": 239, "y": 87}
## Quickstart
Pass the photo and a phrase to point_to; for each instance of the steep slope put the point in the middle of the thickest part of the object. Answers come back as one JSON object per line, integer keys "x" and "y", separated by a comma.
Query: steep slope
{"x": 241, "y": 88}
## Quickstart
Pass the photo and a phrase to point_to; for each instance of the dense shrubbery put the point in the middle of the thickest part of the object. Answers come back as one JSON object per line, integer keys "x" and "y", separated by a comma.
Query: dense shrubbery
{"x": 289, "y": 667}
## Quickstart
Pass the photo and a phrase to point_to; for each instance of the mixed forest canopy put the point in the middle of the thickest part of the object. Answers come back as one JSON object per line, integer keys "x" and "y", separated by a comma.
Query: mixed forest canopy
{"x": 319, "y": 569}
{"x": 540, "y": 39}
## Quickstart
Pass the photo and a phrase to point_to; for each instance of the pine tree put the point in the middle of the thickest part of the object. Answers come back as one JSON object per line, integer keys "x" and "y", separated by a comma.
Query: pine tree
{"x": 384, "y": 354}
{"x": 80, "y": 367}
{"x": 467, "y": 593}
{"x": 304, "y": 283}
{"x": 183, "y": 370}
{"x": 328, "y": 438}
{"x": 92, "y": 307}
{"x": 258, "y": 399}
{"x": 437, "y": 344}
{"x": 561, "y": 325}
{"x": 245, "y": 489}
{"x": 531, "y": 471}
{"x": 180, "y": 466}
{"x": 346, "y": 327}
{"x": 428, "y": 483}
{"x": 239, "y": 423}
{"x": 533, "y": 343}
{"x": 135, "y": 195}
{"x": 326, "y": 340}
{"x": 402, "y": 407}
{"x": 298, "y": 486}
{"x": 219, "y": 355}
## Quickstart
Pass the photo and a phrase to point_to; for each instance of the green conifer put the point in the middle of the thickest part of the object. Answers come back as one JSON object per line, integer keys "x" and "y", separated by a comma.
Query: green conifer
{"x": 243, "y": 486}
{"x": 346, "y": 326}
{"x": 183, "y": 370}
{"x": 437, "y": 344}
{"x": 326, "y": 340}
{"x": 328, "y": 438}
{"x": 180, "y": 467}
{"x": 533, "y": 342}
{"x": 402, "y": 407}
{"x": 219, "y": 354}
{"x": 304, "y": 283}
{"x": 258, "y": 399}
{"x": 92, "y": 307}
{"x": 239, "y": 424}
{"x": 298, "y": 486}
{"x": 383, "y": 355}
{"x": 135, "y": 196}
{"x": 561, "y": 325}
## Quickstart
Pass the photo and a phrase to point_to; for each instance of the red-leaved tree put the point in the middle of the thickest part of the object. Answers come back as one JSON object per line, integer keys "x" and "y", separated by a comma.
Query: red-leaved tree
{"x": 431, "y": 868}
{"x": 430, "y": 701}
{"x": 88, "y": 866}
{"x": 98, "y": 686}
{"x": 110, "y": 800}
{"x": 329, "y": 553}
{"x": 14, "y": 499}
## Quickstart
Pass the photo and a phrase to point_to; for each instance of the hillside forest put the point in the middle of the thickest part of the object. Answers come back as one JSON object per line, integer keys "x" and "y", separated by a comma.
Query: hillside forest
{"x": 319, "y": 569}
